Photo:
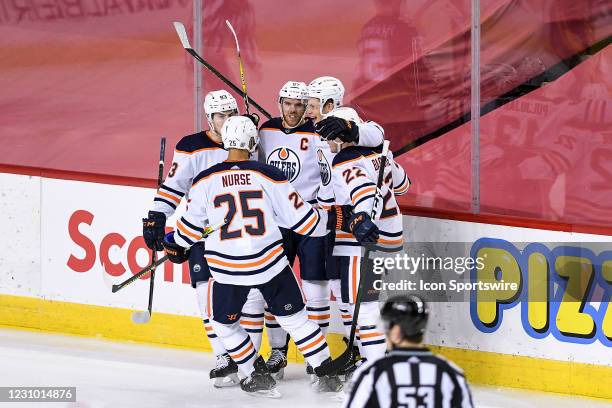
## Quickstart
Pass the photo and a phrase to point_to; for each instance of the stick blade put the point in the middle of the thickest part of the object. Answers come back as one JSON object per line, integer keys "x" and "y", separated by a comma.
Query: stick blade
{"x": 231, "y": 28}
{"x": 141, "y": 317}
{"x": 108, "y": 282}
{"x": 182, "y": 33}
{"x": 385, "y": 148}
{"x": 111, "y": 282}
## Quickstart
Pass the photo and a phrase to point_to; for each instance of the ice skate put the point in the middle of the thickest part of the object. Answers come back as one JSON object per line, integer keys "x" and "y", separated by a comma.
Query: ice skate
{"x": 329, "y": 383}
{"x": 260, "y": 383}
{"x": 276, "y": 363}
{"x": 225, "y": 374}
{"x": 311, "y": 374}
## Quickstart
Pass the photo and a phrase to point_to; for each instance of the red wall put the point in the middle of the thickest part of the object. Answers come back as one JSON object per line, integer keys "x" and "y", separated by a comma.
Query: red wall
{"x": 91, "y": 85}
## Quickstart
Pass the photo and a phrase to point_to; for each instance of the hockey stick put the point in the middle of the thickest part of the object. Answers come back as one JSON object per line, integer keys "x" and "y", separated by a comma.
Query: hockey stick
{"x": 115, "y": 288}
{"x": 144, "y": 317}
{"x": 119, "y": 286}
{"x": 338, "y": 363}
{"x": 241, "y": 67}
{"x": 182, "y": 33}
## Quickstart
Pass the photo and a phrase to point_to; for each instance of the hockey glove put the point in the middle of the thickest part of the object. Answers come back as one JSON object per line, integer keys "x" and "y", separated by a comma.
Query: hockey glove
{"x": 363, "y": 229}
{"x": 153, "y": 230}
{"x": 254, "y": 118}
{"x": 176, "y": 253}
{"x": 332, "y": 127}
{"x": 338, "y": 217}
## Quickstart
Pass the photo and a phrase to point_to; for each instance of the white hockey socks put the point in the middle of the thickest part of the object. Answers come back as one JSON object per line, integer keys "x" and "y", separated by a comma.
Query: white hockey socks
{"x": 238, "y": 344}
{"x": 307, "y": 337}
{"x": 202, "y": 298}
{"x": 372, "y": 341}
{"x": 252, "y": 319}
{"x": 277, "y": 336}
{"x": 317, "y": 293}
{"x": 345, "y": 309}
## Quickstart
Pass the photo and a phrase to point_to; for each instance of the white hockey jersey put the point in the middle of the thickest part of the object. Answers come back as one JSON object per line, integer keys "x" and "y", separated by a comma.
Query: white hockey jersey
{"x": 292, "y": 151}
{"x": 192, "y": 155}
{"x": 325, "y": 195}
{"x": 325, "y": 157}
{"x": 254, "y": 199}
{"x": 295, "y": 152}
{"x": 354, "y": 177}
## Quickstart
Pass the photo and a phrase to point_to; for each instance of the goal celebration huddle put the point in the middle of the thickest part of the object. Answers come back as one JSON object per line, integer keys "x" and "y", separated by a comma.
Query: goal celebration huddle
{"x": 317, "y": 183}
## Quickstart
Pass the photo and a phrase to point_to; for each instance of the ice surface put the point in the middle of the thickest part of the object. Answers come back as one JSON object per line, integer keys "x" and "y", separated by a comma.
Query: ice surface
{"x": 112, "y": 374}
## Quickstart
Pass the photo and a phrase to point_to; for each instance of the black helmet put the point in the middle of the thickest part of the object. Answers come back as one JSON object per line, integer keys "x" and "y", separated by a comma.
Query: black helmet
{"x": 410, "y": 312}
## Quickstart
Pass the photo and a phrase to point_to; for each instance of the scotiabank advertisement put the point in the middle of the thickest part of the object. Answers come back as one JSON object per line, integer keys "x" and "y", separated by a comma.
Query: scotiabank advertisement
{"x": 94, "y": 229}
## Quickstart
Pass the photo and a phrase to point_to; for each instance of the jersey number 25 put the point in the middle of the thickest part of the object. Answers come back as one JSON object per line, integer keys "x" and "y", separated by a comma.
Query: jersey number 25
{"x": 257, "y": 228}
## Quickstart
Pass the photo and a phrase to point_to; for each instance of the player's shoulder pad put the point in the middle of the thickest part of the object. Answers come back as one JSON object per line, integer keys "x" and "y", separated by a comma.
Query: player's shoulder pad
{"x": 307, "y": 126}
{"x": 351, "y": 153}
{"x": 195, "y": 142}
{"x": 378, "y": 149}
{"x": 267, "y": 170}
{"x": 277, "y": 124}
{"x": 208, "y": 172}
{"x": 270, "y": 172}
{"x": 274, "y": 123}
{"x": 371, "y": 122}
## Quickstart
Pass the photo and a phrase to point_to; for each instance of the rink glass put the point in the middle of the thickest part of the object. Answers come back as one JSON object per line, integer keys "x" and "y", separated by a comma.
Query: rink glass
{"x": 96, "y": 85}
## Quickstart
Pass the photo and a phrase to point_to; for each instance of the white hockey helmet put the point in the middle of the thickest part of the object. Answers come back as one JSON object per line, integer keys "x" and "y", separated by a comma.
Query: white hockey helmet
{"x": 218, "y": 101}
{"x": 325, "y": 88}
{"x": 292, "y": 90}
{"x": 239, "y": 132}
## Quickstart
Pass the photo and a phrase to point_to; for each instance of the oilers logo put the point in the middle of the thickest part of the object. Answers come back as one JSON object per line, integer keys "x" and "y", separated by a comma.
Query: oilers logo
{"x": 287, "y": 161}
{"x": 324, "y": 167}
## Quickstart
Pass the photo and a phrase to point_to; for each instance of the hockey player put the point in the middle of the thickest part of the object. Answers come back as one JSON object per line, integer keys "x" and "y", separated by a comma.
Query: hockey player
{"x": 281, "y": 141}
{"x": 324, "y": 95}
{"x": 344, "y": 125}
{"x": 409, "y": 375}
{"x": 289, "y": 143}
{"x": 193, "y": 154}
{"x": 252, "y": 199}
{"x": 354, "y": 177}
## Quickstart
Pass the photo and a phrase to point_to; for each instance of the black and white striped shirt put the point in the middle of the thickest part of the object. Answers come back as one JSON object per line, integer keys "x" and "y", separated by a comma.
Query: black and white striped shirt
{"x": 409, "y": 378}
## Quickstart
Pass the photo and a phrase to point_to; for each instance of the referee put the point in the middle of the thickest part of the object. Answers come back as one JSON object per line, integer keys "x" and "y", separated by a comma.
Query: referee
{"x": 409, "y": 376}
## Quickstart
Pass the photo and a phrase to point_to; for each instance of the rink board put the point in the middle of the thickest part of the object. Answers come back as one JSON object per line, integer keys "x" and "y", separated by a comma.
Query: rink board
{"x": 185, "y": 332}
{"x": 66, "y": 234}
